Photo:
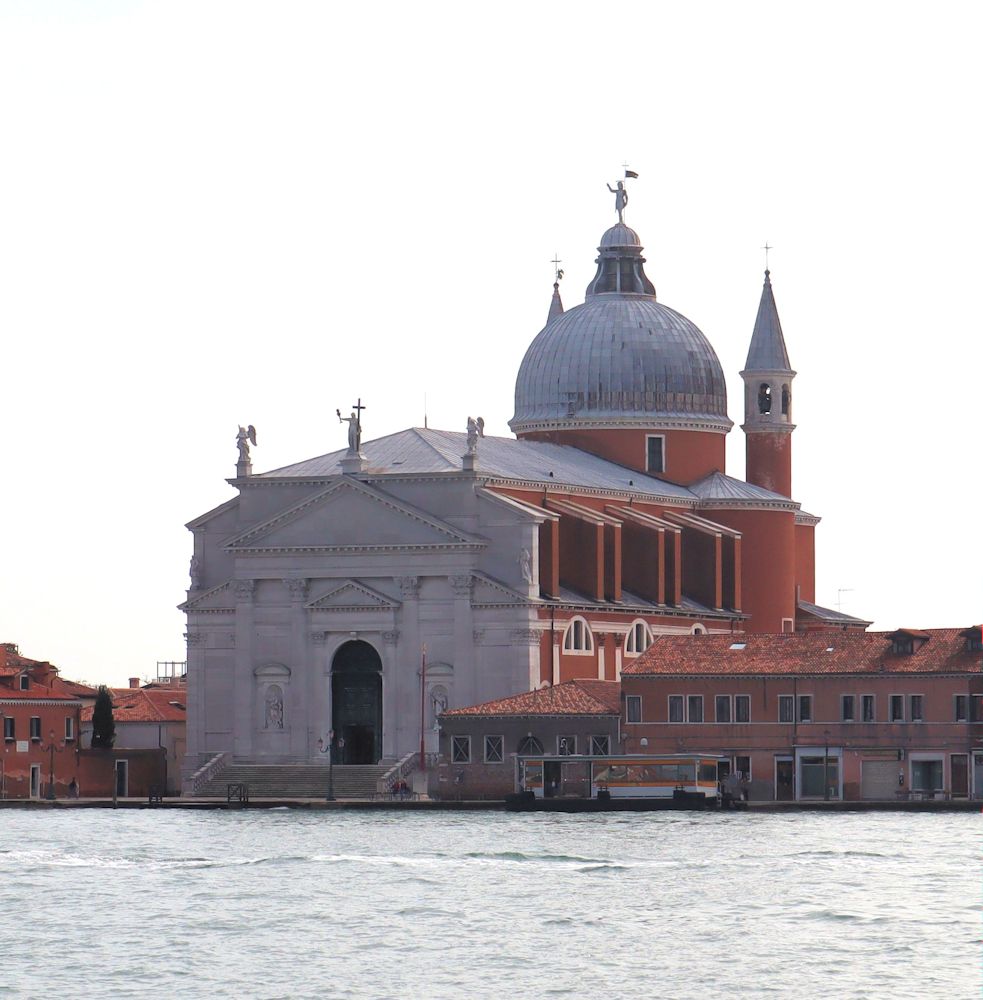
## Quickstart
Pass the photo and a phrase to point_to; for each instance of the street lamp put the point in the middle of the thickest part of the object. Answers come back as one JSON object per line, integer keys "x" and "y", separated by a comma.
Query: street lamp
{"x": 329, "y": 750}
{"x": 51, "y": 749}
{"x": 826, "y": 767}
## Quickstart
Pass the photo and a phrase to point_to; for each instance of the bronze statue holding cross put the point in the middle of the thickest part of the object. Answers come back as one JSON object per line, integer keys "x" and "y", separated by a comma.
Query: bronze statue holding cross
{"x": 354, "y": 427}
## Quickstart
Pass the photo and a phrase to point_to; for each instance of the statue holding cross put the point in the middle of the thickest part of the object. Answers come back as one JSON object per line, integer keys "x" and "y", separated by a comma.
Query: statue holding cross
{"x": 354, "y": 427}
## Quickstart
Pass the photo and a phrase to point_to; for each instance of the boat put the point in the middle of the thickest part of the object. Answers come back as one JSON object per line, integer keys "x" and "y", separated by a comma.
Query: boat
{"x": 617, "y": 783}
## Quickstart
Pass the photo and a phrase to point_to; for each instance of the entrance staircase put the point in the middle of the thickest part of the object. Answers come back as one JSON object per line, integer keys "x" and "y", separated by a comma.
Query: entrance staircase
{"x": 294, "y": 779}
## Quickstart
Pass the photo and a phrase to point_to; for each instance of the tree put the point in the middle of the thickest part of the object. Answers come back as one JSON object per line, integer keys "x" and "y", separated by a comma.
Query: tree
{"x": 103, "y": 723}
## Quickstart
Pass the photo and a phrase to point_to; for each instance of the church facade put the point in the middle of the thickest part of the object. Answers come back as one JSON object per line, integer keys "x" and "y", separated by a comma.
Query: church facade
{"x": 363, "y": 592}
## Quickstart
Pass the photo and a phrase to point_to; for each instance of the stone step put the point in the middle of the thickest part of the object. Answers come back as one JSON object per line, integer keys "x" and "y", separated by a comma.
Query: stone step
{"x": 296, "y": 780}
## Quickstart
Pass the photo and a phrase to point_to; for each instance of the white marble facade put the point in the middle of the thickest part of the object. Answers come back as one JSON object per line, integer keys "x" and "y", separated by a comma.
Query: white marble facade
{"x": 293, "y": 568}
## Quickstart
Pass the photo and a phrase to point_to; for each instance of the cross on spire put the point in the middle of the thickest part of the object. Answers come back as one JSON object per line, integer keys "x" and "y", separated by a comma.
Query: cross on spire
{"x": 766, "y": 248}
{"x": 556, "y": 267}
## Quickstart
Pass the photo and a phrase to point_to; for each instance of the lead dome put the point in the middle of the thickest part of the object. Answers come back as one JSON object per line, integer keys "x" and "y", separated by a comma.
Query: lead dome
{"x": 622, "y": 357}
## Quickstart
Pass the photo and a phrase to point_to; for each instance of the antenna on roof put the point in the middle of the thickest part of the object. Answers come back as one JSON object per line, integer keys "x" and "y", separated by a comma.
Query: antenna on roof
{"x": 839, "y": 598}
{"x": 424, "y": 411}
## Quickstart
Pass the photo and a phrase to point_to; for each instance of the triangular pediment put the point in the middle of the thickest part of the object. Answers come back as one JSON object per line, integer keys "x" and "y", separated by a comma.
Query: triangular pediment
{"x": 218, "y": 598}
{"x": 350, "y": 515}
{"x": 351, "y": 595}
{"x": 490, "y": 592}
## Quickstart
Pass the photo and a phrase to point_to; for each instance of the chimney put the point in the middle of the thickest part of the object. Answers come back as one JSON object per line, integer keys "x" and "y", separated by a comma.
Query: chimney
{"x": 134, "y": 682}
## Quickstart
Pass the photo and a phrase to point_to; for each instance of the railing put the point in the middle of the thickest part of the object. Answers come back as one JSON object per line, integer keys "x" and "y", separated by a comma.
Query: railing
{"x": 204, "y": 774}
{"x": 397, "y": 772}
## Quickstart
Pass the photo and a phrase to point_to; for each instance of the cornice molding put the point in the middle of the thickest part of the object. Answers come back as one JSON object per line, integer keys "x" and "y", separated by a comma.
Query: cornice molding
{"x": 652, "y": 422}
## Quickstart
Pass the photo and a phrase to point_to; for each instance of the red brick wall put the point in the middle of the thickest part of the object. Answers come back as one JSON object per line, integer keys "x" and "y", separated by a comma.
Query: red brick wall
{"x": 769, "y": 461}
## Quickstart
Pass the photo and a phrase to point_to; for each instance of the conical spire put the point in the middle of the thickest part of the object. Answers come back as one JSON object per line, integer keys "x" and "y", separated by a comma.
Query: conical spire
{"x": 767, "y": 352}
{"x": 556, "y": 305}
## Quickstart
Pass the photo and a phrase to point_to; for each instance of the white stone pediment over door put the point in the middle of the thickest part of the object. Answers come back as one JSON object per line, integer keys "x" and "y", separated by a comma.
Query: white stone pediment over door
{"x": 351, "y": 595}
{"x": 350, "y": 517}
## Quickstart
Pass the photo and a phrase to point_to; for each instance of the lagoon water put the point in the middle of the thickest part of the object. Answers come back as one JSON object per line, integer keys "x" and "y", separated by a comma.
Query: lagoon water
{"x": 458, "y": 905}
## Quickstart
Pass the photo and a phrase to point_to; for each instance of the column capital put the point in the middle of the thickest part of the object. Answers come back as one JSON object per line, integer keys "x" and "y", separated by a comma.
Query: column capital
{"x": 409, "y": 586}
{"x": 243, "y": 589}
{"x": 296, "y": 587}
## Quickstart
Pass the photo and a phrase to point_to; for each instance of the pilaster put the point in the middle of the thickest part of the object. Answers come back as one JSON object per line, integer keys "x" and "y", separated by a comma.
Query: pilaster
{"x": 244, "y": 714}
{"x": 301, "y": 676}
{"x": 406, "y": 678}
{"x": 465, "y": 681}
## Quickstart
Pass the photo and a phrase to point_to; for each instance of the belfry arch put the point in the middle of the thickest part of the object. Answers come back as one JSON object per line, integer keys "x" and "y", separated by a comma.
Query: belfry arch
{"x": 356, "y": 703}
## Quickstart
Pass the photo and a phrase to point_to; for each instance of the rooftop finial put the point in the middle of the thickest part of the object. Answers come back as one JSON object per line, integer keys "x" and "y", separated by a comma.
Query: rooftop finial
{"x": 244, "y": 436}
{"x": 557, "y": 270}
{"x": 621, "y": 194}
{"x": 766, "y": 248}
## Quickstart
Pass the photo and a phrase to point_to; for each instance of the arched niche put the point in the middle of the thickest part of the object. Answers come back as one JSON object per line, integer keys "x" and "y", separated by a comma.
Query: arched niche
{"x": 271, "y": 682}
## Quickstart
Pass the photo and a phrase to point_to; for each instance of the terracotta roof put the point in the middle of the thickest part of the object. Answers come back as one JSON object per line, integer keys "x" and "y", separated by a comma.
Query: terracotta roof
{"x": 145, "y": 705}
{"x": 36, "y": 692}
{"x": 827, "y": 652}
{"x": 78, "y": 689}
{"x": 577, "y": 697}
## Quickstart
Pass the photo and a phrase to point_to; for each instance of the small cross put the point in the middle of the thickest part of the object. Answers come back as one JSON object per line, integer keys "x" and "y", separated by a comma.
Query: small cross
{"x": 556, "y": 266}
{"x": 358, "y": 407}
{"x": 766, "y": 248}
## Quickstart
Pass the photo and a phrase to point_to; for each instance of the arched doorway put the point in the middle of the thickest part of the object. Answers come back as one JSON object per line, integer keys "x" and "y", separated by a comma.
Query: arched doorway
{"x": 356, "y": 703}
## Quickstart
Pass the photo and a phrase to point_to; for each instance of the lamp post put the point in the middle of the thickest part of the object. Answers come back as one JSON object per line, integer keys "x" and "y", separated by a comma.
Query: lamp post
{"x": 826, "y": 766}
{"x": 51, "y": 749}
{"x": 329, "y": 750}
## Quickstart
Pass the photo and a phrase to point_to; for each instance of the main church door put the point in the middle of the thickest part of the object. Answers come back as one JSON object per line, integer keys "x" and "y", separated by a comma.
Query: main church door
{"x": 356, "y": 703}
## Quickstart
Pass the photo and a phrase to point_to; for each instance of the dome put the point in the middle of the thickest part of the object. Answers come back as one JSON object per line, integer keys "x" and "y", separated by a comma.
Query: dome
{"x": 622, "y": 358}
{"x": 620, "y": 236}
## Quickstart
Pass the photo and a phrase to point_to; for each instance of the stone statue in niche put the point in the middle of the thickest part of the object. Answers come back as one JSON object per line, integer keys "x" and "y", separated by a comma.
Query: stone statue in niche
{"x": 438, "y": 702}
{"x": 274, "y": 707}
{"x": 525, "y": 565}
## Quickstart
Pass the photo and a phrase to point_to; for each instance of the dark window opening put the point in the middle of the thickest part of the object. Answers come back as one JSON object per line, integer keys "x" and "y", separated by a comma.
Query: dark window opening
{"x": 764, "y": 398}
{"x": 633, "y": 708}
{"x": 846, "y": 712}
{"x": 655, "y": 459}
{"x": 805, "y": 708}
{"x": 600, "y": 745}
{"x": 742, "y": 708}
{"x": 786, "y": 400}
{"x": 867, "y": 707}
{"x": 903, "y": 646}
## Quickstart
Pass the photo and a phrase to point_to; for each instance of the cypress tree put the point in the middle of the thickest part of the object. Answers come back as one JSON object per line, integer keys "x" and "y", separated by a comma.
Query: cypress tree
{"x": 103, "y": 723}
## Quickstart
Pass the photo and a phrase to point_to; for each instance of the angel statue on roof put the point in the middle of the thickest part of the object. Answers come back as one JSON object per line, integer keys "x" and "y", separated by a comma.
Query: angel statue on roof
{"x": 243, "y": 439}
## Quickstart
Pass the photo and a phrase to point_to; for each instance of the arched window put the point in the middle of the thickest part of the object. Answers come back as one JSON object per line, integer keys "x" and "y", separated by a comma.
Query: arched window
{"x": 786, "y": 400}
{"x": 698, "y": 630}
{"x": 578, "y": 638}
{"x": 639, "y": 638}
{"x": 764, "y": 398}
{"x": 529, "y": 745}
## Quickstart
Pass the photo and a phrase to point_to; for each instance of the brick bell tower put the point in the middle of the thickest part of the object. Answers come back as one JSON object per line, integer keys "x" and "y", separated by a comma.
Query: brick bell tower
{"x": 768, "y": 401}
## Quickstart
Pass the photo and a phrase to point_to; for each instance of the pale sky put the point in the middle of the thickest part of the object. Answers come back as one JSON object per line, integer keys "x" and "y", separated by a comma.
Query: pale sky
{"x": 224, "y": 213}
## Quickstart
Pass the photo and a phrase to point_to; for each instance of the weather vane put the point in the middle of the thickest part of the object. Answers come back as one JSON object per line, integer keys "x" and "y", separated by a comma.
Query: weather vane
{"x": 557, "y": 270}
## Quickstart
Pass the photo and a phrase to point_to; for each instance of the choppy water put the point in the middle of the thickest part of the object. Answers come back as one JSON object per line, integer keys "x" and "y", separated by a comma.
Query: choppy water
{"x": 435, "y": 905}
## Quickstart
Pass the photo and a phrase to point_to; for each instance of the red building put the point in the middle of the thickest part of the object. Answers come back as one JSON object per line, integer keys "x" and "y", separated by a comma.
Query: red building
{"x": 40, "y": 716}
{"x": 820, "y": 714}
{"x": 681, "y": 547}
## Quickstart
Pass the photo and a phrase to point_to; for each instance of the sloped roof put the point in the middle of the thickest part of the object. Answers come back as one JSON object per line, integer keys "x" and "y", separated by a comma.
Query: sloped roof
{"x": 423, "y": 451}
{"x": 826, "y": 652}
{"x": 577, "y": 697}
{"x": 720, "y": 486}
{"x": 829, "y": 615}
{"x": 145, "y": 705}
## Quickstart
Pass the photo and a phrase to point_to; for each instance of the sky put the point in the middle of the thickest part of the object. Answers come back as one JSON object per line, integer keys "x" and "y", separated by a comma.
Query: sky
{"x": 215, "y": 214}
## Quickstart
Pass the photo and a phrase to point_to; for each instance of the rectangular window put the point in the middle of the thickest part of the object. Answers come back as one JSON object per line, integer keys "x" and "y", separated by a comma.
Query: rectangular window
{"x": 675, "y": 708}
{"x": 742, "y": 708}
{"x": 742, "y": 765}
{"x": 494, "y": 754}
{"x": 805, "y": 708}
{"x": 916, "y": 708}
{"x": 461, "y": 749}
{"x": 897, "y": 708}
{"x": 633, "y": 708}
{"x": 69, "y": 728}
{"x": 961, "y": 707}
{"x": 25, "y": 682}
{"x": 722, "y": 707}
{"x": 786, "y": 708}
{"x": 35, "y": 728}
{"x": 655, "y": 453}
{"x": 695, "y": 707}
{"x": 847, "y": 710}
{"x": 566, "y": 745}
{"x": 600, "y": 745}
{"x": 9, "y": 732}
{"x": 867, "y": 707}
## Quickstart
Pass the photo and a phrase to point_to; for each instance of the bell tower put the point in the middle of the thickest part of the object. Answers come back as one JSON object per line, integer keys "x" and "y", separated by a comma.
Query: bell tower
{"x": 768, "y": 401}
